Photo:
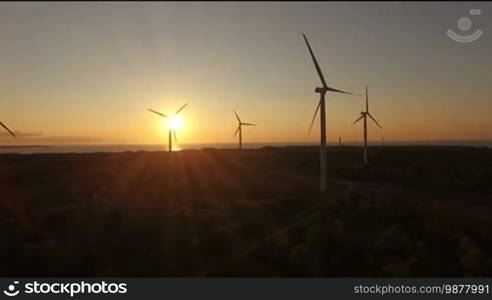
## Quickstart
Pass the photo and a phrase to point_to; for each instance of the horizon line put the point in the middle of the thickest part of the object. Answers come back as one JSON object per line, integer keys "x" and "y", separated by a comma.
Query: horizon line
{"x": 386, "y": 141}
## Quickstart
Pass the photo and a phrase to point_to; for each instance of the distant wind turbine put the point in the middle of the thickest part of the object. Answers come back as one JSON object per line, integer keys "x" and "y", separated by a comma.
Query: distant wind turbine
{"x": 172, "y": 129}
{"x": 321, "y": 106}
{"x": 239, "y": 129}
{"x": 364, "y": 115}
{"x": 6, "y": 128}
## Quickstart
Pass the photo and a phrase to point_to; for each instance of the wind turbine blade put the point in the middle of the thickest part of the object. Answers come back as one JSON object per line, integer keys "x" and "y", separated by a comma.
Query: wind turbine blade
{"x": 237, "y": 116}
{"x": 358, "y": 119}
{"x": 340, "y": 91}
{"x": 237, "y": 130}
{"x": 6, "y": 128}
{"x": 175, "y": 137}
{"x": 248, "y": 124}
{"x": 314, "y": 117}
{"x": 318, "y": 69}
{"x": 182, "y": 107}
{"x": 156, "y": 112}
{"x": 375, "y": 121}
{"x": 367, "y": 101}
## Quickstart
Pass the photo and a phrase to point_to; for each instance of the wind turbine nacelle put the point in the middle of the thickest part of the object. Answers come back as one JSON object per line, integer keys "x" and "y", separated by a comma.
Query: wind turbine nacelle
{"x": 318, "y": 90}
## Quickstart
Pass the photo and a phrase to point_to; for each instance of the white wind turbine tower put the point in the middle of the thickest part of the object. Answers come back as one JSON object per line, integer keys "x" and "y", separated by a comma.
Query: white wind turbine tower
{"x": 240, "y": 129}
{"x": 6, "y": 128}
{"x": 364, "y": 115}
{"x": 172, "y": 129}
{"x": 321, "y": 106}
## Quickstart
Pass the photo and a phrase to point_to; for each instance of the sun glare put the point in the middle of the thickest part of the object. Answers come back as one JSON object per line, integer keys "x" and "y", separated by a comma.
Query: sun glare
{"x": 175, "y": 123}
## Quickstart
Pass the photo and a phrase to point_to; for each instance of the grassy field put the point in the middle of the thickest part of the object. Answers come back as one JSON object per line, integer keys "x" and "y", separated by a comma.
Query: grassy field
{"x": 417, "y": 211}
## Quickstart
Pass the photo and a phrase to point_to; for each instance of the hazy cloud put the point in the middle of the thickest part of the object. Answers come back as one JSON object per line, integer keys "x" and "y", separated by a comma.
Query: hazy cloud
{"x": 21, "y": 134}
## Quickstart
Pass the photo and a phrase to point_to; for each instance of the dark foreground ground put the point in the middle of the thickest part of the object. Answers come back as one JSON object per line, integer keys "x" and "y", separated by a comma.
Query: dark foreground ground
{"x": 418, "y": 211}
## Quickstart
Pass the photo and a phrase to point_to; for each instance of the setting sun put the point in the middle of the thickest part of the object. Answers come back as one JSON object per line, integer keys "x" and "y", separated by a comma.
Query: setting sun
{"x": 175, "y": 123}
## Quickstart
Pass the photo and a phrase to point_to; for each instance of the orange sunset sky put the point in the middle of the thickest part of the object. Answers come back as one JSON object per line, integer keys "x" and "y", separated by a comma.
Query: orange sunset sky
{"x": 87, "y": 72}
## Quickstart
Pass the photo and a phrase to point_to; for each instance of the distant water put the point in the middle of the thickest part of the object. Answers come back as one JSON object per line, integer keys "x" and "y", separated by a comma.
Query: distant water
{"x": 163, "y": 147}
{"x": 126, "y": 147}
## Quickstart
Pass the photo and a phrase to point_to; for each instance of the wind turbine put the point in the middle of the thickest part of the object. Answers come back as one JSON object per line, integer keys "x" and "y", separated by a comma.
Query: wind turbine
{"x": 364, "y": 115}
{"x": 239, "y": 129}
{"x": 321, "y": 106}
{"x": 6, "y": 128}
{"x": 171, "y": 124}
